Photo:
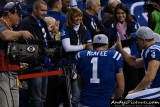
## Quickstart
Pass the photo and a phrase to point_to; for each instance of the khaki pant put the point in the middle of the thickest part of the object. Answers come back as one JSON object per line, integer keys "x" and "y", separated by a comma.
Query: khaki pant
{"x": 9, "y": 91}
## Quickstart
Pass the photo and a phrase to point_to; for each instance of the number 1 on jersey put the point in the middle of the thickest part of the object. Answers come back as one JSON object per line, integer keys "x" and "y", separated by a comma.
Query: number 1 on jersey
{"x": 94, "y": 78}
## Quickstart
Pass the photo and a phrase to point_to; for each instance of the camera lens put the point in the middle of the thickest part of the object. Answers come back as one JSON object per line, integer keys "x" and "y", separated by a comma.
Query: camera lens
{"x": 30, "y": 48}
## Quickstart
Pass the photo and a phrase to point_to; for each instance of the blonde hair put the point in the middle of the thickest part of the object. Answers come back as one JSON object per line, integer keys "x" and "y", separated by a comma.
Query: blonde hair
{"x": 49, "y": 20}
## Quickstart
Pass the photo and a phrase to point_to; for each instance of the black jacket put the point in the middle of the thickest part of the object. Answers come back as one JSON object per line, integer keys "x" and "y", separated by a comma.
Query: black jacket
{"x": 29, "y": 23}
{"x": 81, "y": 32}
{"x": 87, "y": 23}
{"x": 74, "y": 39}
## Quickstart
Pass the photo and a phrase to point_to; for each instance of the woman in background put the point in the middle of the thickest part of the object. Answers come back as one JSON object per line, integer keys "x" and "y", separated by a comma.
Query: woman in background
{"x": 123, "y": 26}
{"x": 75, "y": 37}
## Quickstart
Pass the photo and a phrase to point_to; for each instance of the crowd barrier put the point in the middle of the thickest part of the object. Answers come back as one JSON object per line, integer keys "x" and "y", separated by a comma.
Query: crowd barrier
{"x": 40, "y": 74}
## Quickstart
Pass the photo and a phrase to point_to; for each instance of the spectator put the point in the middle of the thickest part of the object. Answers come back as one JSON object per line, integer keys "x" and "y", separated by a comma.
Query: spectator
{"x": 57, "y": 91}
{"x": 98, "y": 69}
{"x": 150, "y": 61}
{"x": 153, "y": 16}
{"x": 108, "y": 16}
{"x": 9, "y": 92}
{"x": 124, "y": 25}
{"x": 56, "y": 84}
{"x": 53, "y": 27}
{"x": 65, "y": 6}
{"x": 55, "y": 11}
{"x": 74, "y": 36}
{"x": 37, "y": 26}
{"x": 90, "y": 18}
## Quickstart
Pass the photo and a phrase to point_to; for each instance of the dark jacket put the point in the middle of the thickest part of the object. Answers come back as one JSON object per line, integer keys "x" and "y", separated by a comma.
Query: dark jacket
{"x": 74, "y": 38}
{"x": 82, "y": 32}
{"x": 29, "y": 23}
{"x": 87, "y": 22}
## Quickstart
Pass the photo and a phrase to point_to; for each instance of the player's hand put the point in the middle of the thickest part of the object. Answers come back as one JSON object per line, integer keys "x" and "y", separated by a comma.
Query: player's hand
{"x": 130, "y": 92}
{"x": 26, "y": 35}
{"x": 23, "y": 66}
{"x": 118, "y": 43}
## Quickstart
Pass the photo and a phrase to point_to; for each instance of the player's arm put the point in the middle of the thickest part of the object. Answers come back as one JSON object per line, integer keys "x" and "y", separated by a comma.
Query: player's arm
{"x": 79, "y": 81}
{"x": 151, "y": 72}
{"x": 132, "y": 61}
{"x": 12, "y": 35}
{"x": 120, "y": 85}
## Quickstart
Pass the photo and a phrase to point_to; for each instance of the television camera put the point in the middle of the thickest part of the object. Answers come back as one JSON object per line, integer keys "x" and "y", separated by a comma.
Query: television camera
{"x": 31, "y": 51}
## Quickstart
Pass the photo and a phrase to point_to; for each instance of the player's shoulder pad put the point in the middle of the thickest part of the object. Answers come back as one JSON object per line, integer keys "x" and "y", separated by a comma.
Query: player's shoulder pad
{"x": 154, "y": 47}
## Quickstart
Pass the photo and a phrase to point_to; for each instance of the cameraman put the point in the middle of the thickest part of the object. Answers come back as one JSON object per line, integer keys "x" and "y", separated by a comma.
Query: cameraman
{"x": 9, "y": 92}
{"x": 153, "y": 10}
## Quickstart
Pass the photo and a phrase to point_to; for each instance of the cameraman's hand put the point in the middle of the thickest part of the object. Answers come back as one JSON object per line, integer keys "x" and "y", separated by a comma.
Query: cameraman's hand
{"x": 23, "y": 66}
{"x": 26, "y": 35}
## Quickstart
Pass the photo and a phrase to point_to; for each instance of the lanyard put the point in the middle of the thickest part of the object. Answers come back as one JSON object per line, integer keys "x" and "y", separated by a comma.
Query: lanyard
{"x": 6, "y": 23}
